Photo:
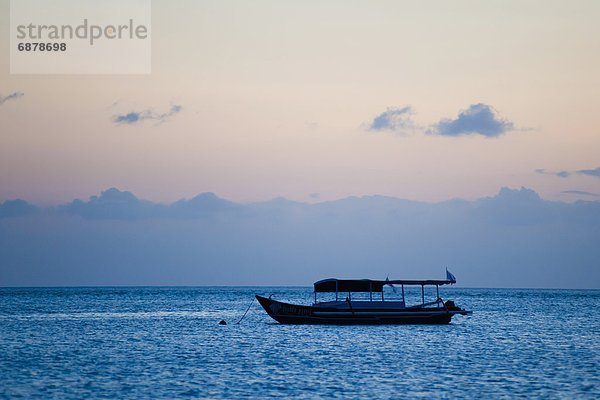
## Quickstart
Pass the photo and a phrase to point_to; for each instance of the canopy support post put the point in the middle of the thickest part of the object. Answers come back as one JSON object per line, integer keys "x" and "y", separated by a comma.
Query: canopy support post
{"x": 404, "y": 301}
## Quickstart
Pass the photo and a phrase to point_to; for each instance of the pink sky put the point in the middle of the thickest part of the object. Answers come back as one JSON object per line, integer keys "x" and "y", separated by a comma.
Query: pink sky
{"x": 277, "y": 97}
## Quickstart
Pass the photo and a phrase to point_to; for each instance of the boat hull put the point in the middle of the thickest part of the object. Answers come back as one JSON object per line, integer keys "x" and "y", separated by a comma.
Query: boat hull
{"x": 286, "y": 313}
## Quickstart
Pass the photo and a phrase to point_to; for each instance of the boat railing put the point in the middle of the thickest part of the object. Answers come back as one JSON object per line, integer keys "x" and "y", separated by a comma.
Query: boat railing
{"x": 371, "y": 298}
{"x": 439, "y": 302}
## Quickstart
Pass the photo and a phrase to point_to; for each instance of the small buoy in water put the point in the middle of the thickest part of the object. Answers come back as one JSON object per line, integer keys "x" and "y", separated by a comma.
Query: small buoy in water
{"x": 222, "y": 322}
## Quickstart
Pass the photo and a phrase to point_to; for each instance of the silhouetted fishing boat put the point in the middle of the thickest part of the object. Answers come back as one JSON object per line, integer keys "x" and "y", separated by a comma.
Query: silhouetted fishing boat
{"x": 366, "y": 311}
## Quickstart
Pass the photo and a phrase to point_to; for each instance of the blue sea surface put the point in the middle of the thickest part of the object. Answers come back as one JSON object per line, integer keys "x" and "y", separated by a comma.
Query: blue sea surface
{"x": 153, "y": 342}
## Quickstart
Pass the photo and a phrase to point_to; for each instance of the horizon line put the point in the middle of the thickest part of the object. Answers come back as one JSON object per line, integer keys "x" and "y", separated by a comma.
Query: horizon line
{"x": 261, "y": 286}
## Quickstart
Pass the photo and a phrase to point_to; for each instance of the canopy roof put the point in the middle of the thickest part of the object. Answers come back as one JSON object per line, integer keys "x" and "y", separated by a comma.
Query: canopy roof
{"x": 367, "y": 285}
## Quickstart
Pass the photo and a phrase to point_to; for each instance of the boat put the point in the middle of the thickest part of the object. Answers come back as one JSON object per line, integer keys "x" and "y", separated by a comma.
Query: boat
{"x": 373, "y": 309}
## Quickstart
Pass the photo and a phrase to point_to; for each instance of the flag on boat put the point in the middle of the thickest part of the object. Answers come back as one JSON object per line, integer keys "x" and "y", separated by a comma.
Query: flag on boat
{"x": 449, "y": 277}
{"x": 387, "y": 280}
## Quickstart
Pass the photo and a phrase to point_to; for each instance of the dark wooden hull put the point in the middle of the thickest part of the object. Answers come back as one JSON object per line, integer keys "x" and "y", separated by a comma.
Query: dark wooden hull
{"x": 286, "y": 313}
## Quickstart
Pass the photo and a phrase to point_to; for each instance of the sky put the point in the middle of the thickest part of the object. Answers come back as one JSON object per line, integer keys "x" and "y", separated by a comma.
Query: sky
{"x": 319, "y": 100}
{"x": 480, "y": 117}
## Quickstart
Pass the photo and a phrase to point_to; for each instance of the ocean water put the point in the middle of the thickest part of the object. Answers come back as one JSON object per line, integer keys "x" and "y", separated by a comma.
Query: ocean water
{"x": 74, "y": 343}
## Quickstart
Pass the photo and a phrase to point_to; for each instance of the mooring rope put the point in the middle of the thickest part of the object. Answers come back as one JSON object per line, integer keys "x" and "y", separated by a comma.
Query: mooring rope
{"x": 248, "y": 309}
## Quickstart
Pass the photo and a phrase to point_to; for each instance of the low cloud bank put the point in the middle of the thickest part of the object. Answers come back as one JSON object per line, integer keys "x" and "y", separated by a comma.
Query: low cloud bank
{"x": 513, "y": 239}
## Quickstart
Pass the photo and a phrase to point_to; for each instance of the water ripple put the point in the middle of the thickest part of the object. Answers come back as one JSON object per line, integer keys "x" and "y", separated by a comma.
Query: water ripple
{"x": 166, "y": 343}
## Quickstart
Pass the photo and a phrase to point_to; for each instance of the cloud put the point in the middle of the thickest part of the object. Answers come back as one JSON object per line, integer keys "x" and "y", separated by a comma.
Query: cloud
{"x": 113, "y": 204}
{"x": 565, "y": 174}
{"x": 135, "y": 117}
{"x": 122, "y": 240}
{"x": 203, "y": 205}
{"x": 12, "y": 96}
{"x": 393, "y": 119}
{"x": 590, "y": 172}
{"x": 15, "y": 208}
{"x": 560, "y": 174}
{"x": 508, "y": 195}
{"x": 480, "y": 119}
{"x": 580, "y": 192}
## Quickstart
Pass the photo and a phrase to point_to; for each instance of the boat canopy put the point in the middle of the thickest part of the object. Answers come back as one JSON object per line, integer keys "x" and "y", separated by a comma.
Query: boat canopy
{"x": 333, "y": 285}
